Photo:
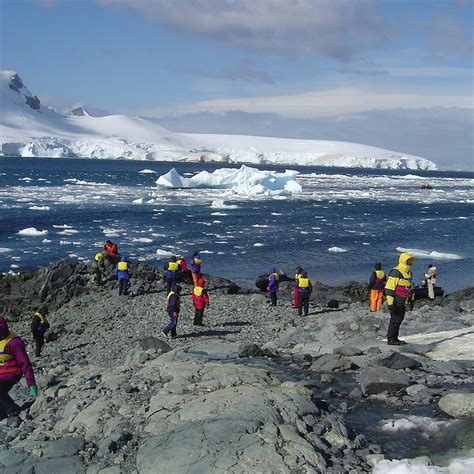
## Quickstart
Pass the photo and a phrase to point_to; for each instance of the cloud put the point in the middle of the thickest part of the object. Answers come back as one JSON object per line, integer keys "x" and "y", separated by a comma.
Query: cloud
{"x": 320, "y": 103}
{"x": 338, "y": 29}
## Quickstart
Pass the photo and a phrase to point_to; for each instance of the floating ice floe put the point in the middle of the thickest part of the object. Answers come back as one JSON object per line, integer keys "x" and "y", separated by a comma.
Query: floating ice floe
{"x": 39, "y": 208}
{"x": 138, "y": 201}
{"x": 147, "y": 171}
{"x": 404, "y": 466}
{"x": 244, "y": 181}
{"x": 143, "y": 240}
{"x": 163, "y": 253}
{"x": 336, "y": 250}
{"x": 32, "y": 232}
{"x": 423, "y": 424}
{"x": 430, "y": 255}
{"x": 5, "y": 250}
{"x": 220, "y": 204}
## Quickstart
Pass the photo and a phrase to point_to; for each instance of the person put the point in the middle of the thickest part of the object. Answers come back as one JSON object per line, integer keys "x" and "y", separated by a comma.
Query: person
{"x": 200, "y": 301}
{"x": 173, "y": 272}
{"x": 273, "y": 285}
{"x": 14, "y": 363}
{"x": 304, "y": 289}
{"x": 111, "y": 252}
{"x": 99, "y": 267}
{"x": 173, "y": 306}
{"x": 430, "y": 280}
{"x": 376, "y": 285}
{"x": 295, "y": 294}
{"x": 399, "y": 293}
{"x": 39, "y": 325}
{"x": 123, "y": 276}
{"x": 195, "y": 267}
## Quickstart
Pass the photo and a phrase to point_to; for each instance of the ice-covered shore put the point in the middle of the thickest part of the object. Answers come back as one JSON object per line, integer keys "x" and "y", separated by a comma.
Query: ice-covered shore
{"x": 254, "y": 385}
{"x": 29, "y": 130}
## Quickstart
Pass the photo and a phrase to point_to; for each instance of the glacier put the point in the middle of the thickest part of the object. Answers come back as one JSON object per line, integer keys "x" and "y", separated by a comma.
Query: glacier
{"x": 29, "y": 130}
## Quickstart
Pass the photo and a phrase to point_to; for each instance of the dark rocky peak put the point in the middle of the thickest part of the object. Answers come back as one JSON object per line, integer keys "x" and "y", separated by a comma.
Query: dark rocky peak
{"x": 17, "y": 85}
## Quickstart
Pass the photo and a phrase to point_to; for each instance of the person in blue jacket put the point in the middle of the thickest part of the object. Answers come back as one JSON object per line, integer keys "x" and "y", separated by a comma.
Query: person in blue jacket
{"x": 173, "y": 272}
{"x": 273, "y": 285}
{"x": 173, "y": 306}
{"x": 304, "y": 289}
{"x": 123, "y": 276}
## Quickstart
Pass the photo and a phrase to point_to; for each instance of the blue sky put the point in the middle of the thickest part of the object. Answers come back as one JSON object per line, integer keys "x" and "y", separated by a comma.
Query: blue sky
{"x": 303, "y": 58}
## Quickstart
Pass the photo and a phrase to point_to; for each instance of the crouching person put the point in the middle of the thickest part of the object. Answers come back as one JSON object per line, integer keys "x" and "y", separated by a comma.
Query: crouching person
{"x": 14, "y": 363}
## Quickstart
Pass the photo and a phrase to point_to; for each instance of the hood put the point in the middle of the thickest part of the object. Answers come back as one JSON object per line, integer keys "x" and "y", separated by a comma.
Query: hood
{"x": 272, "y": 270}
{"x": 3, "y": 328}
{"x": 173, "y": 258}
{"x": 404, "y": 257}
{"x": 201, "y": 282}
{"x": 43, "y": 310}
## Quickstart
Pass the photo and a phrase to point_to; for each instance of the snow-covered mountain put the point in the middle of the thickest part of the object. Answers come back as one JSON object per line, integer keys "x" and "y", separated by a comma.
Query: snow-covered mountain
{"x": 27, "y": 129}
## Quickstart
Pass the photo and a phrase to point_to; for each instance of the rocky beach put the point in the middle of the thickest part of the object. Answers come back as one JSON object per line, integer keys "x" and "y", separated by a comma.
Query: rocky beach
{"x": 257, "y": 389}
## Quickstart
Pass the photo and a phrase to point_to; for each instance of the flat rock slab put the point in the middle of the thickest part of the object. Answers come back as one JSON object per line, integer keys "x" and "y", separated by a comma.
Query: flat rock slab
{"x": 347, "y": 351}
{"x": 395, "y": 360}
{"x": 457, "y": 404}
{"x": 380, "y": 379}
{"x": 333, "y": 363}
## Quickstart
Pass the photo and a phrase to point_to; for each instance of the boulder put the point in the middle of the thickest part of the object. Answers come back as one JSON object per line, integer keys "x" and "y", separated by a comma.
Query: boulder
{"x": 347, "y": 351}
{"x": 395, "y": 360}
{"x": 381, "y": 379}
{"x": 333, "y": 363}
{"x": 151, "y": 342}
{"x": 457, "y": 404}
{"x": 249, "y": 350}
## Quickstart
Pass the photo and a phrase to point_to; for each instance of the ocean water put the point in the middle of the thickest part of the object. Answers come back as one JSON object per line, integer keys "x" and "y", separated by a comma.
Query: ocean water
{"x": 362, "y": 215}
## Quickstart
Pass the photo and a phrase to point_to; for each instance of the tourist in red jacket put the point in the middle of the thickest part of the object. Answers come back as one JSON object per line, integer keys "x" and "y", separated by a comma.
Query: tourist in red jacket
{"x": 200, "y": 301}
{"x": 14, "y": 363}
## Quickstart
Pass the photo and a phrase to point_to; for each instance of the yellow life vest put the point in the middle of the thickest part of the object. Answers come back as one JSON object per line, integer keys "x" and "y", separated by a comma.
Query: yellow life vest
{"x": 173, "y": 266}
{"x": 277, "y": 276}
{"x": 122, "y": 266}
{"x": 380, "y": 274}
{"x": 297, "y": 276}
{"x": 303, "y": 282}
{"x": 197, "y": 261}
{"x": 198, "y": 290}
{"x": 169, "y": 295}
{"x": 99, "y": 256}
{"x": 8, "y": 364}
{"x": 41, "y": 317}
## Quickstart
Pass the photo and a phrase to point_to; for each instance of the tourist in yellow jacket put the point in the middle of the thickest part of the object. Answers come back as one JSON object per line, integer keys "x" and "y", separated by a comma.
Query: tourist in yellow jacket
{"x": 399, "y": 293}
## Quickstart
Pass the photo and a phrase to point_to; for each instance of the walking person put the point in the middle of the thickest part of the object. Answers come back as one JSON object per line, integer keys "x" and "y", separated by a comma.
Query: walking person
{"x": 399, "y": 293}
{"x": 200, "y": 301}
{"x": 304, "y": 289}
{"x": 173, "y": 271}
{"x": 14, "y": 363}
{"x": 296, "y": 304}
{"x": 39, "y": 326}
{"x": 376, "y": 285}
{"x": 123, "y": 276}
{"x": 195, "y": 267}
{"x": 430, "y": 279}
{"x": 273, "y": 285}
{"x": 173, "y": 306}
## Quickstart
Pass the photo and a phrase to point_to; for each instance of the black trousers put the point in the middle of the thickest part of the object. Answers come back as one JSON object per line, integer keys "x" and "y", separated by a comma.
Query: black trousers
{"x": 7, "y": 406}
{"x": 198, "y": 314}
{"x": 39, "y": 340}
{"x": 397, "y": 314}
{"x": 98, "y": 277}
{"x": 273, "y": 299}
{"x": 169, "y": 283}
{"x": 303, "y": 304}
{"x": 123, "y": 286}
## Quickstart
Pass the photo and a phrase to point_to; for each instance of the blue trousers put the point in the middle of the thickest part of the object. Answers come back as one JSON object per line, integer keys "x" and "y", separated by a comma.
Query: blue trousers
{"x": 171, "y": 326}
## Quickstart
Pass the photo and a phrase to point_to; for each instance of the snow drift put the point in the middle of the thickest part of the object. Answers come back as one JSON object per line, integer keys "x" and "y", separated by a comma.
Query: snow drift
{"x": 29, "y": 130}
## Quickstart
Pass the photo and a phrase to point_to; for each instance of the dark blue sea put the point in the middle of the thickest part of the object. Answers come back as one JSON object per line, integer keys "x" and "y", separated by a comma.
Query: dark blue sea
{"x": 342, "y": 222}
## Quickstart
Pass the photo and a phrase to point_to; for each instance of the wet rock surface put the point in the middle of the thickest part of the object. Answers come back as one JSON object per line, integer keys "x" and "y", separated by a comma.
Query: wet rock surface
{"x": 257, "y": 389}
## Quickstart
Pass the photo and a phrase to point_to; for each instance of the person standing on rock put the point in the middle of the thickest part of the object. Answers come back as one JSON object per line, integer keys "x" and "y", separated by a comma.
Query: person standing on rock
{"x": 39, "y": 326}
{"x": 376, "y": 285}
{"x": 123, "y": 276}
{"x": 173, "y": 272}
{"x": 399, "y": 293}
{"x": 173, "y": 307}
{"x": 430, "y": 280}
{"x": 296, "y": 304}
{"x": 195, "y": 267}
{"x": 111, "y": 252}
{"x": 304, "y": 289}
{"x": 14, "y": 363}
{"x": 273, "y": 285}
{"x": 200, "y": 301}
{"x": 99, "y": 267}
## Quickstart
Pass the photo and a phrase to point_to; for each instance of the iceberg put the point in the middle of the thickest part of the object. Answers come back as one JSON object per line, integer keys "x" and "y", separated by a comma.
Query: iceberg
{"x": 430, "y": 255}
{"x": 33, "y": 232}
{"x": 245, "y": 181}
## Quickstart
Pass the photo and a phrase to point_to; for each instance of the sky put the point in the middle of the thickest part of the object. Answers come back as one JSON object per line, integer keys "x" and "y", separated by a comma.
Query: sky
{"x": 295, "y": 58}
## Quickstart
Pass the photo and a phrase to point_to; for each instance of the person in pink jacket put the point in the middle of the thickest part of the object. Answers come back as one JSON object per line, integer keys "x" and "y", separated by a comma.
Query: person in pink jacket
{"x": 14, "y": 363}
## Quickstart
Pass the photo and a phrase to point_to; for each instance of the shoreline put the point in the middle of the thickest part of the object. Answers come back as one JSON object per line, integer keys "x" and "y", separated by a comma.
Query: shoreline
{"x": 222, "y": 396}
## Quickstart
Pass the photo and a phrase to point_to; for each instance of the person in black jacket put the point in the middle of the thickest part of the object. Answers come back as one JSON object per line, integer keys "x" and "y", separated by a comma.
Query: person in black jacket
{"x": 39, "y": 325}
{"x": 172, "y": 308}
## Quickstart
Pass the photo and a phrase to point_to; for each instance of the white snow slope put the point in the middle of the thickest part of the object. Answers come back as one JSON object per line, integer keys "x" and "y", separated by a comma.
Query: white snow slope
{"x": 29, "y": 130}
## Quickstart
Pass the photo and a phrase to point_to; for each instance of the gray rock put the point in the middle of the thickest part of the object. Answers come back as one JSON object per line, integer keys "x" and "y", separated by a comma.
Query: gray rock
{"x": 395, "y": 360}
{"x": 61, "y": 465}
{"x": 457, "y": 404}
{"x": 249, "y": 350}
{"x": 374, "y": 350}
{"x": 332, "y": 363}
{"x": 381, "y": 379}
{"x": 151, "y": 342}
{"x": 63, "y": 447}
{"x": 347, "y": 351}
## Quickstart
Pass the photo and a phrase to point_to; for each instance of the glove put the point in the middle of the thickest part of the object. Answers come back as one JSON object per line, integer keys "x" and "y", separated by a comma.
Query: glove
{"x": 390, "y": 307}
{"x": 412, "y": 305}
{"x": 34, "y": 390}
